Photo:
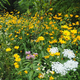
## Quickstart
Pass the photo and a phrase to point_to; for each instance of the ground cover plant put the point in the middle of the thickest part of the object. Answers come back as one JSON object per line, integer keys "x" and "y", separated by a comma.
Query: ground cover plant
{"x": 42, "y": 47}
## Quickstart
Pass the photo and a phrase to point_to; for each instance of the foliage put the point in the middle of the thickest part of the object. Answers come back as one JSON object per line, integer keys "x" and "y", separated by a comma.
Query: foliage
{"x": 71, "y": 6}
{"x": 2, "y": 3}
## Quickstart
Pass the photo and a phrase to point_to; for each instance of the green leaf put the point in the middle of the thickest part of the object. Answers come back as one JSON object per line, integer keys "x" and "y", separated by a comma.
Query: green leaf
{"x": 7, "y": 2}
{"x": 78, "y": 47}
{"x": 37, "y": 79}
{"x": 30, "y": 75}
{"x": 20, "y": 2}
{"x": 63, "y": 46}
{"x": 40, "y": 47}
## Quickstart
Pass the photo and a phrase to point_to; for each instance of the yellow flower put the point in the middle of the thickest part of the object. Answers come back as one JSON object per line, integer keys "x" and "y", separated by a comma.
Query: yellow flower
{"x": 66, "y": 15}
{"x": 50, "y": 22}
{"x": 53, "y": 41}
{"x": 50, "y": 34}
{"x": 70, "y": 24}
{"x": 31, "y": 26}
{"x": 50, "y": 42}
{"x": 56, "y": 28}
{"x": 41, "y": 38}
{"x": 66, "y": 32}
{"x": 15, "y": 63}
{"x": 26, "y": 71}
{"x": 76, "y": 16}
{"x": 66, "y": 37}
{"x": 48, "y": 49}
{"x": 17, "y": 66}
{"x": 74, "y": 31}
{"x": 16, "y": 47}
{"x": 73, "y": 24}
{"x": 18, "y": 59}
{"x": 46, "y": 32}
{"x": 16, "y": 35}
{"x": 74, "y": 40}
{"x": 64, "y": 26}
{"x": 77, "y": 23}
{"x": 71, "y": 15}
{"x": 47, "y": 27}
{"x": 40, "y": 76}
{"x": 61, "y": 41}
{"x": 52, "y": 54}
{"x": 57, "y": 53}
{"x": 51, "y": 78}
{"x": 16, "y": 56}
{"x": 49, "y": 45}
{"x": 59, "y": 14}
{"x": 18, "y": 12}
{"x": 37, "y": 40}
{"x": 52, "y": 25}
{"x": 78, "y": 37}
{"x": 38, "y": 21}
{"x": 0, "y": 26}
{"x": 46, "y": 57}
{"x": 20, "y": 37}
{"x": 38, "y": 68}
{"x": 51, "y": 9}
{"x": 8, "y": 49}
{"x": 10, "y": 35}
{"x": 69, "y": 28}
{"x": 54, "y": 22}
{"x": 41, "y": 18}
{"x": 73, "y": 36}
{"x": 12, "y": 39}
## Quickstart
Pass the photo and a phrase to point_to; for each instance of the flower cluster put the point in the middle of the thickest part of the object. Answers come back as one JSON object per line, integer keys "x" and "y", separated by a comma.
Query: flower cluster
{"x": 17, "y": 59}
{"x": 67, "y": 66}
{"x": 64, "y": 68}
{"x": 29, "y": 55}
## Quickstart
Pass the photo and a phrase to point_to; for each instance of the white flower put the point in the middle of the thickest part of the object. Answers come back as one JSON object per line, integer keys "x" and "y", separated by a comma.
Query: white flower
{"x": 68, "y": 53}
{"x": 54, "y": 50}
{"x": 71, "y": 65}
{"x": 59, "y": 68}
{"x": 64, "y": 68}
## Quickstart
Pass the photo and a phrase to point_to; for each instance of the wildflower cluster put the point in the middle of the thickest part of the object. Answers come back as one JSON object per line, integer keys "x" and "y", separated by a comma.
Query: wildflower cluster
{"x": 26, "y": 35}
{"x": 29, "y": 55}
